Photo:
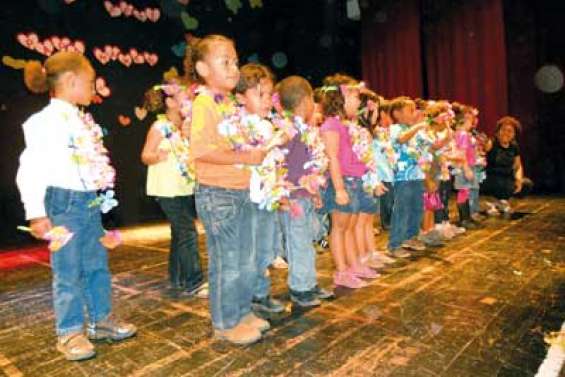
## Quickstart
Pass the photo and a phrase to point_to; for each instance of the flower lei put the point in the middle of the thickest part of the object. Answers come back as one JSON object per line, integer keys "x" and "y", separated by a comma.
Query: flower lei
{"x": 310, "y": 136}
{"x": 92, "y": 158}
{"x": 179, "y": 147}
{"x": 362, "y": 146}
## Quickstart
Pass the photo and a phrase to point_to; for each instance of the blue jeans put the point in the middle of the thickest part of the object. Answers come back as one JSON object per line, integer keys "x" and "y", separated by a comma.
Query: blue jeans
{"x": 407, "y": 212}
{"x": 298, "y": 233}
{"x": 80, "y": 268}
{"x": 474, "y": 205}
{"x": 184, "y": 262}
{"x": 227, "y": 215}
{"x": 267, "y": 242}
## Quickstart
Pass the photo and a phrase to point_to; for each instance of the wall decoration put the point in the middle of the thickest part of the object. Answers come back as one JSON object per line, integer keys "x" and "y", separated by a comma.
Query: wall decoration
{"x": 233, "y": 5}
{"x": 140, "y": 112}
{"x": 124, "y": 9}
{"x": 133, "y": 56}
{"x": 49, "y": 45}
{"x": 256, "y": 3}
{"x": 189, "y": 22}
{"x": 124, "y": 121}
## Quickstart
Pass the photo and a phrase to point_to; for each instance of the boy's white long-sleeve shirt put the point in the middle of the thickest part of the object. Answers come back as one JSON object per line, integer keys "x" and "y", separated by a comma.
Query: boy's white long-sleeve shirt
{"x": 47, "y": 159}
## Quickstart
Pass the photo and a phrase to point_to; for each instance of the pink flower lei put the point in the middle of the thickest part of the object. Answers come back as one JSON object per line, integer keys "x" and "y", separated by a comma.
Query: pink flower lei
{"x": 92, "y": 157}
{"x": 362, "y": 146}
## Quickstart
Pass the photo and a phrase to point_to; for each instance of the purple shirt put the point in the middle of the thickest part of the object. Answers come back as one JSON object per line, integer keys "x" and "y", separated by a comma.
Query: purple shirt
{"x": 349, "y": 163}
{"x": 297, "y": 156}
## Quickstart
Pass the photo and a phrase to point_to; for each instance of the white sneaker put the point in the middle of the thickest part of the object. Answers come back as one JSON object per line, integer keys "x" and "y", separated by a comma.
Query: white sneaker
{"x": 280, "y": 263}
{"x": 458, "y": 230}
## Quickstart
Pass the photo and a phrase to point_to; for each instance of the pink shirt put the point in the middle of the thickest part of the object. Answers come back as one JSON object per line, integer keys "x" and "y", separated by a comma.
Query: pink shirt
{"x": 464, "y": 142}
{"x": 349, "y": 163}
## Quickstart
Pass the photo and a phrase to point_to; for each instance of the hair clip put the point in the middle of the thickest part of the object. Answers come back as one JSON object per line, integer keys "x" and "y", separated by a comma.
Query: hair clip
{"x": 328, "y": 88}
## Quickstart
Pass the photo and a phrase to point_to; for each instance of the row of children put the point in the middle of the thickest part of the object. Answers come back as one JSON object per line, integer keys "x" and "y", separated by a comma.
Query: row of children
{"x": 252, "y": 171}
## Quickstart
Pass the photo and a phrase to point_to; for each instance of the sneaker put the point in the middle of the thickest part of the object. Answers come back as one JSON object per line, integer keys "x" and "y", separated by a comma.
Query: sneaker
{"x": 110, "y": 329}
{"x": 348, "y": 280}
{"x": 456, "y": 229}
{"x": 364, "y": 272}
{"x": 381, "y": 257}
{"x": 259, "y": 323}
{"x": 324, "y": 294}
{"x": 444, "y": 231}
{"x": 414, "y": 245}
{"x": 468, "y": 224}
{"x": 305, "y": 299}
{"x": 432, "y": 239}
{"x": 75, "y": 347}
{"x": 201, "y": 291}
{"x": 280, "y": 263}
{"x": 477, "y": 217}
{"x": 370, "y": 262}
{"x": 267, "y": 304}
{"x": 399, "y": 253}
{"x": 241, "y": 334}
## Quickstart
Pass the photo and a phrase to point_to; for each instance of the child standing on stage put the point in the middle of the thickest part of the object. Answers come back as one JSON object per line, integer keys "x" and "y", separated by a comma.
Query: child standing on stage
{"x": 306, "y": 163}
{"x": 345, "y": 197}
{"x": 222, "y": 194}
{"x": 385, "y": 160}
{"x": 254, "y": 93}
{"x": 169, "y": 181}
{"x": 408, "y": 179}
{"x": 61, "y": 169}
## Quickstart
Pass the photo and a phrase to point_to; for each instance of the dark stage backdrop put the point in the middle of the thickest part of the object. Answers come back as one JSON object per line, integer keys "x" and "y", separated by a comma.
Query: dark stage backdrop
{"x": 481, "y": 52}
{"x": 315, "y": 36}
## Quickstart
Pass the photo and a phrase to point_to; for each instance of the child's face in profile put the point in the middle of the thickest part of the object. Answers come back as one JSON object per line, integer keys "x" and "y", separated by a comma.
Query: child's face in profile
{"x": 352, "y": 103}
{"x": 317, "y": 115}
{"x": 406, "y": 114}
{"x": 307, "y": 106}
{"x": 259, "y": 99}
{"x": 81, "y": 85}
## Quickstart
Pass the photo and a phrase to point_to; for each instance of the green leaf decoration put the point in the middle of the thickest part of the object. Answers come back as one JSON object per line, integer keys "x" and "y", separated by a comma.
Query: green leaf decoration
{"x": 234, "y": 5}
{"x": 256, "y": 3}
{"x": 190, "y": 23}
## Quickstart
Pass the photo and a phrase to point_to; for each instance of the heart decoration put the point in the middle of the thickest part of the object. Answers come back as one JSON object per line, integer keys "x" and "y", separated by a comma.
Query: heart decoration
{"x": 49, "y": 45}
{"x": 183, "y": 2}
{"x": 96, "y": 99}
{"x": 69, "y": 1}
{"x": 126, "y": 9}
{"x": 133, "y": 56}
{"x": 124, "y": 120}
{"x": 189, "y": 22}
{"x": 179, "y": 49}
{"x": 140, "y": 112}
{"x": 125, "y": 59}
{"x": 102, "y": 88}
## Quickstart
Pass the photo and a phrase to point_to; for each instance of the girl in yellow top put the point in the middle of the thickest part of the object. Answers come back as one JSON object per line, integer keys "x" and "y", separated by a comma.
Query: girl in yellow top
{"x": 222, "y": 193}
{"x": 172, "y": 184}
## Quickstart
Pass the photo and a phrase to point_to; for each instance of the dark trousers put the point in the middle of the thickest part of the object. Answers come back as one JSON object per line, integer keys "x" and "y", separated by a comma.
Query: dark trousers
{"x": 184, "y": 262}
{"x": 502, "y": 187}
{"x": 444, "y": 190}
{"x": 386, "y": 203}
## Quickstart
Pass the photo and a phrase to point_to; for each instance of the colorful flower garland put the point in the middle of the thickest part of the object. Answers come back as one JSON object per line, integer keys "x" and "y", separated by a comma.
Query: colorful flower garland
{"x": 362, "y": 146}
{"x": 179, "y": 146}
{"x": 92, "y": 158}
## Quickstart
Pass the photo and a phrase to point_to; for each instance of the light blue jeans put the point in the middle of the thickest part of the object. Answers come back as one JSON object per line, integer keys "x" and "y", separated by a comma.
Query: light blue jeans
{"x": 227, "y": 218}
{"x": 267, "y": 243}
{"x": 80, "y": 268}
{"x": 299, "y": 233}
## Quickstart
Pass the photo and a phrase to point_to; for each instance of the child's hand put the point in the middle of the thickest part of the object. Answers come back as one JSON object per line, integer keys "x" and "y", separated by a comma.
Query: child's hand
{"x": 380, "y": 189}
{"x": 255, "y": 156}
{"x": 517, "y": 186}
{"x": 317, "y": 200}
{"x": 40, "y": 227}
{"x": 341, "y": 197}
{"x": 468, "y": 174}
{"x": 161, "y": 155}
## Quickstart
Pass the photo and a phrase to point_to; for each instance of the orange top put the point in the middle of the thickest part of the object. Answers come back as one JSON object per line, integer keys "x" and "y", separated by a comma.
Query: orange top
{"x": 205, "y": 139}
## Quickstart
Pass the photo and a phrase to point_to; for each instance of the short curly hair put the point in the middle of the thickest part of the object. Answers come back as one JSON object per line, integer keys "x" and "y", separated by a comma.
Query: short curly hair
{"x": 510, "y": 120}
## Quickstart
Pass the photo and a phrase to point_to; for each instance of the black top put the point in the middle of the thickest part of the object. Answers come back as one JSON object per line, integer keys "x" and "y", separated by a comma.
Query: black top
{"x": 500, "y": 160}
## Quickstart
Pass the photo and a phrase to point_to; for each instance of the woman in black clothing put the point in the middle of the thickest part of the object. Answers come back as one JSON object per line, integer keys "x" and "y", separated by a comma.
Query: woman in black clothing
{"x": 505, "y": 173}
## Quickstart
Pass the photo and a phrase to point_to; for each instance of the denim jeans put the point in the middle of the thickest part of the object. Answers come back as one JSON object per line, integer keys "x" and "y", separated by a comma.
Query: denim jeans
{"x": 298, "y": 234}
{"x": 184, "y": 262}
{"x": 80, "y": 268}
{"x": 444, "y": 190}
{"x": 267, "y": 242}
{"x": 226, "y": 215}
{"x": 474, "y": 205}
{"x": 407, "y": 212}
{"x": 386, "y": 201}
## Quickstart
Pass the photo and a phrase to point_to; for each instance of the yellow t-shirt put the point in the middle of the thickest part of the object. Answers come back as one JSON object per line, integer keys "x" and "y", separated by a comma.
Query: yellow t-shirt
{"x": 164, "y": 178}
{"x": 205, "y": 139}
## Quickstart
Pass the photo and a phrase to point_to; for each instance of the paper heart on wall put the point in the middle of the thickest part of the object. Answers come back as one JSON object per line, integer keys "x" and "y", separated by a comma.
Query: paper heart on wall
{"x": 140, "y": 112}
{"x": 179, "y": 49}
{"x": 151, "y": 59}
{"x": 139, "y": 59}
{"x": 102, "y": 88}
{"x": 153, "y": 14}
{"x": 124, "y": 120}
{"x": 125, "y": 59}
{"x": 190, "y": 23}
{"x": 28, "y": 40}
{"x": 101, "y": 56}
